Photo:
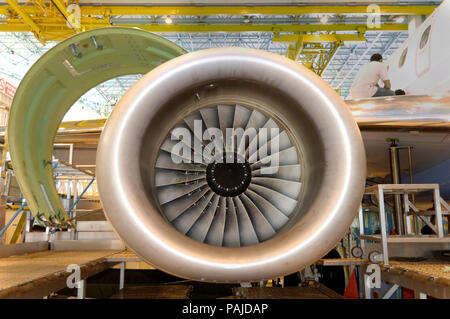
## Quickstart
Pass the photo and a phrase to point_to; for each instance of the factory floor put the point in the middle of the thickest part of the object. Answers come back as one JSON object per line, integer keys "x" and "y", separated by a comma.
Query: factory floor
{"x": 45, "y": 274}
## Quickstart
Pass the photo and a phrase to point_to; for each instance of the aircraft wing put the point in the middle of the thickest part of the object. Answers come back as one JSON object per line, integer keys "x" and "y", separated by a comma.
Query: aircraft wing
{"x": 419, "y": 121}
{"x": 418, "y": 112}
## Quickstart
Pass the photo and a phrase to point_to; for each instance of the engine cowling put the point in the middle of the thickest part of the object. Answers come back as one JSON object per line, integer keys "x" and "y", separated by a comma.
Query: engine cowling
{"x": 231, "y": 165}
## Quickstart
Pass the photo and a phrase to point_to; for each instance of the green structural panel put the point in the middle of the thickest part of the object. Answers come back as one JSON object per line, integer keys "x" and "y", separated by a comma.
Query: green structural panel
{"x": 56, "y": 81}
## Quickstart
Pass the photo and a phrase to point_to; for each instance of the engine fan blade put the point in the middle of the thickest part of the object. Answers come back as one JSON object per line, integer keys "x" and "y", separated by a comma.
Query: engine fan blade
{"x": 201, "y": 227}
{"x": 216, "y": 231}
{"x": 283, "y": 203}
{"x": 176, "y": 207}
{"x": 187, "y": 219}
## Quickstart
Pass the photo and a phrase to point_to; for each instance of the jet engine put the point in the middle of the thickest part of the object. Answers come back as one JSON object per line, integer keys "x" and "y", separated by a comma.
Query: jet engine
{"x": 231, "y": 165}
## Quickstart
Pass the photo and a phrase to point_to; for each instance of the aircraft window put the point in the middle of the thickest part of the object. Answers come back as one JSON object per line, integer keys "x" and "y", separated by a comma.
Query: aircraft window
{"x": 402, "y": 59}
{"x": 424, "y": 38}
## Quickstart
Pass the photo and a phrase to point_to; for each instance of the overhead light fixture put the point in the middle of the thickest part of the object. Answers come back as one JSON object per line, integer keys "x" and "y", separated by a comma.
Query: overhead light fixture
{"x": 400, "y": 19}
{"x": 324, "y": 19}
{"x": 168, "y": 20}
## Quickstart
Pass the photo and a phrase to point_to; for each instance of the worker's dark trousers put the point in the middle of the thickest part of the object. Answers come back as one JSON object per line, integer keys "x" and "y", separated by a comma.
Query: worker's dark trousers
{"x": 383, "y": 92}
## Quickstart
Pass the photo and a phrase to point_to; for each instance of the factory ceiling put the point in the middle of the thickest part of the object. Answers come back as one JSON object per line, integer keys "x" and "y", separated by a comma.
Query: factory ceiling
{"x": 330, "y": 37}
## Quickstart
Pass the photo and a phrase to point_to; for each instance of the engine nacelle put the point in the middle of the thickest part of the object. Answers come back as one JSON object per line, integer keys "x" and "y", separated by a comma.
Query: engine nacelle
{"x": 231, "y": 165}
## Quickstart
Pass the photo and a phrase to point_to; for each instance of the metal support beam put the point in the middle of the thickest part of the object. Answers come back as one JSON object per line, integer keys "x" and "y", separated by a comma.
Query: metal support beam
{"x": 318, "y": 59}
{"x": 19, "y": 228}
{"x": 320, "y": 38}
{"x": 112, "y": 10}
{"x": 328, "y": 58}
{"x": 52, "y": 20}
{"x": 391, "y": 291}
{"x": 122, "y": 275}
{"x": 14, "y": 4}
{"x": 159, "y": 28}
{"x": 294, "y": 49}
{"x": 438, "y": 208}
{"x": 56, "y": 30}
{"x": 383, "y": 230}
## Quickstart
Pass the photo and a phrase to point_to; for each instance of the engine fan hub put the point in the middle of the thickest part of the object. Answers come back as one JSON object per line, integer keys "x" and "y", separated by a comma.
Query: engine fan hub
{"x": 229, "y": 177}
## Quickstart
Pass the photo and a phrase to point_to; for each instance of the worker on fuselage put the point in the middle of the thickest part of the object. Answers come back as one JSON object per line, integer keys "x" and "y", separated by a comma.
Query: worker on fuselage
{"x": 368, "y": 79}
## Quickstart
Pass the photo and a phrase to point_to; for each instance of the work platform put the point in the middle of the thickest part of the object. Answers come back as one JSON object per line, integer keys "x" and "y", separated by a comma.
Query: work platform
{"x": 406, "y": 192}
{"x": 155, "y": 292}
{"x": 429, "y": 277}
{"x": 318, "y": 291}
{"x": 423, "y": 239}
{"x": 38, "y": 274}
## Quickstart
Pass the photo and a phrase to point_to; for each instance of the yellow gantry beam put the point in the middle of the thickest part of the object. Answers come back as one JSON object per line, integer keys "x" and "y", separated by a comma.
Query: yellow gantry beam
{"x": 241, "y": 10}
{"x": 295, "y": 49}
{"x": 317, "y": 60}
{"x": 55, "y": 31}
{"x": 328, "y": 58}
{"x": 265, "y": 27}
{"x": 319, "y": 38}
{"x": 33, "y": 27}
{"x": 53, "y": 20}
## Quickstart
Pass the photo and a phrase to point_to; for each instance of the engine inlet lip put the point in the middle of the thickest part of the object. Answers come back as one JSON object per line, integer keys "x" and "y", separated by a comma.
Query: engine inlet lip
{"x": 135, "y": 215}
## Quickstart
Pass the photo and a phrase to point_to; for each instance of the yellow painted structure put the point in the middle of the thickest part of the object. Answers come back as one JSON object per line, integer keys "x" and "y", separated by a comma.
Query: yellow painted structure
{"x": 53, "y": 20}
{"x": 206, "y": 10}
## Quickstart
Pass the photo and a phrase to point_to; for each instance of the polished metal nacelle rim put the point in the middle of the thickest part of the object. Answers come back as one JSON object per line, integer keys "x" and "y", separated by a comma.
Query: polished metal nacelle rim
{"x": 332, "y": 147}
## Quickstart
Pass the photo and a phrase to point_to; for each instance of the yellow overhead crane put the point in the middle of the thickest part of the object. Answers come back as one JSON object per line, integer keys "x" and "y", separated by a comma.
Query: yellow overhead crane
{"x": 53, "y": 21}
{"x": 205, "y": 10}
